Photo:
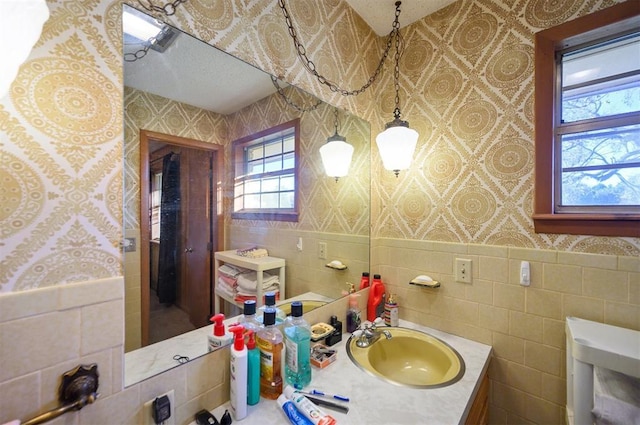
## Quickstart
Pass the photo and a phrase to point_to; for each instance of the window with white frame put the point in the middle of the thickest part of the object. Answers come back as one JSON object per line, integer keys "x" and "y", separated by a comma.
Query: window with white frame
{"x": 587, "y": 125}
{"x": 266, "y": 174}
{"x": 598, "y": 136}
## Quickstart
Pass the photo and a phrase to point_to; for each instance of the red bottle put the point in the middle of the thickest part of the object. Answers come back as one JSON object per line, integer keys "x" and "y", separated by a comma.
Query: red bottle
{"x": 375, "y": 303}
{"x": 364, "y": 280}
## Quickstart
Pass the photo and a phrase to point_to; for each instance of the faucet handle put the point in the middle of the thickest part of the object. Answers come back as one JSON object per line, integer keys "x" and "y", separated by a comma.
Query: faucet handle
{"x": 378, "y": 321}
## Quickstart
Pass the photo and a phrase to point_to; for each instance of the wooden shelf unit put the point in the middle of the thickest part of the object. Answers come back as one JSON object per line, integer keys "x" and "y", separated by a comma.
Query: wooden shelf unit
{"x": 257, "y": 264}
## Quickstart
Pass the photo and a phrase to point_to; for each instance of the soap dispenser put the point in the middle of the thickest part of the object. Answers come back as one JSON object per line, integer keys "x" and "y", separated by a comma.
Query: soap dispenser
{"x": 253, "y": 371}
{"x": 238, "y": 374}
{"x": 219, "y": 337}
{"x": 353, "y": 313}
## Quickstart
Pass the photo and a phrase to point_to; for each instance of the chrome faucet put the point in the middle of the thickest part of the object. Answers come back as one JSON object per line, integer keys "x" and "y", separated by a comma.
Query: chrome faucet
{"x": 369, "y": 333}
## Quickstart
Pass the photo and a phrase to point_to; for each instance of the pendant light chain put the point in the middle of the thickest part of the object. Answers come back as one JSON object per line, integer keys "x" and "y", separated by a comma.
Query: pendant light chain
{"x": 168, "y": 9}
{"x": 290, "y": 102}
{"x": 335, "y": 116}
{"x": 396, "y": 70}
{"x": 311, "y": 66}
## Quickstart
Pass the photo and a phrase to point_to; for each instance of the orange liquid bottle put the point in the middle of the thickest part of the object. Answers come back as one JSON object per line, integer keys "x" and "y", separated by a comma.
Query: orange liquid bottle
{"x": 270, "y": 343}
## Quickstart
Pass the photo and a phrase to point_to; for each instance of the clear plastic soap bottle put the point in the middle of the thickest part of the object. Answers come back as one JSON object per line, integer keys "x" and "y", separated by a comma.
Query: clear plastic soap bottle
{"x": 297, "y": 334}
{"x": 248, "y": 319}
{"x": 270, "y": 301}
{"x": 270, "y": 344}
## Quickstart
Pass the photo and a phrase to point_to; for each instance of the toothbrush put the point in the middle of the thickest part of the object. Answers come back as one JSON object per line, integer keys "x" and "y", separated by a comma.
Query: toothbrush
{"x": 336, "y": 396}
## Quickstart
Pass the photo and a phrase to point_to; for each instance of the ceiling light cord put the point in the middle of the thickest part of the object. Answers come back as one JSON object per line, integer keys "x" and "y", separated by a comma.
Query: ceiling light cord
{"x": 311, "y": 66}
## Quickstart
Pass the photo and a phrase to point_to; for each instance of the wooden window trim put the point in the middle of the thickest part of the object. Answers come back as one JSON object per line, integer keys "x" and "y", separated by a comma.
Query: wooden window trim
{"x": 615, "y": 19}
{"x": 237, "y": 159}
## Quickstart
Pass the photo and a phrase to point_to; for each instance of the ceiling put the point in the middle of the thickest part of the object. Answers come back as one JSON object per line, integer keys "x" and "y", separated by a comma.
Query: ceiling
{"x": 379, "y": 14}
{"x": 192, "y": 72}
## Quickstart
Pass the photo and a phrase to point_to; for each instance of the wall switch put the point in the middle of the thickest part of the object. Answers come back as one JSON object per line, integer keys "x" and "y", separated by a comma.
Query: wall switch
{"x": 299, "y": 245}
{"x": 148, "y": 410}
{"x": 462, "y": 270}
{"x": 322, "y": 250}
{"x": 129, "y": 244}
{"x": 525, "y": 273}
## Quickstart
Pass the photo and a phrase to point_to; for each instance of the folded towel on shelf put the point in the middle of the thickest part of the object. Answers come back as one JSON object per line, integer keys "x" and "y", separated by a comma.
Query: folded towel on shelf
{"x": 252, "y": 252}
{"x": 242, "y": 298}
{"x": 225, "y": 289}
{"x": 231, "y": 270}
{"x": 249, "y": 281}
{"x": 231, "y": 281}
{"x": 271, "y": 288}
{"x": 616, "y": 398}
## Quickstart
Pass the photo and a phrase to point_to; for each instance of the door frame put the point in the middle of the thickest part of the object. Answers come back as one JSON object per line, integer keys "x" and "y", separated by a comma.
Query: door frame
{"x": 146, "y": 137}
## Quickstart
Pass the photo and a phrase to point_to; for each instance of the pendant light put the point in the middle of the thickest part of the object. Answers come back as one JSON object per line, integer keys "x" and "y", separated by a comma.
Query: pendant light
{"x": 336, "y": 153}
{"x": 397, "y": 142}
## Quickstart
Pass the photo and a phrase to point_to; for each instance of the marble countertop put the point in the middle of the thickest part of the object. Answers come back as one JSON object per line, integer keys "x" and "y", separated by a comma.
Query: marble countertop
{"x": 376, "y": 401}
{"x": 156, "y": 358}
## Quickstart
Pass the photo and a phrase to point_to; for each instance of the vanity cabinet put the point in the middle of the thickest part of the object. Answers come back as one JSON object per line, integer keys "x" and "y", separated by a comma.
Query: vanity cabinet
{"x": 257, "y": 264}
{"x": 479, "y": 412}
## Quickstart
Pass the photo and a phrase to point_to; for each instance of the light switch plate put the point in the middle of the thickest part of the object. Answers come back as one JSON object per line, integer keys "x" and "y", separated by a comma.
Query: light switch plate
{"x": 463, "y": 270}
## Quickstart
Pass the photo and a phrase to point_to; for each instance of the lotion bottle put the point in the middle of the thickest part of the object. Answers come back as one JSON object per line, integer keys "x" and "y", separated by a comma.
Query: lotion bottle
{"x": 219, "y": 337}
{"x": 238, "y": 375}
{"x": 391, "y": 311}
{"x": 253, "y": 379}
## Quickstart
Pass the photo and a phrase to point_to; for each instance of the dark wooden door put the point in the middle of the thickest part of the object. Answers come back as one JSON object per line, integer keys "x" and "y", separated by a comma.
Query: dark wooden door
{"x": 198, "y": 234}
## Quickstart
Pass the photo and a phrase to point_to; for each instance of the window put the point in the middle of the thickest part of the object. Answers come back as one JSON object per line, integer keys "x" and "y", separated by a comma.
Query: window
{"x": 156, "y": 196}
{"x": 266, "y": 174}
{"x": 587, "y": 88}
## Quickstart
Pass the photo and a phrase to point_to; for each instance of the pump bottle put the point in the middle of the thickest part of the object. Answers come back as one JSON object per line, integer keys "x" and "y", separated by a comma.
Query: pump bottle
{"x": 238, "y": 375}
{"x": 270, "y": 344}
{"x": 297, "y": 334}
{"x": 253, "y": 372}
{"x": 353, "y": 313}
{"x": 219, "y": 337}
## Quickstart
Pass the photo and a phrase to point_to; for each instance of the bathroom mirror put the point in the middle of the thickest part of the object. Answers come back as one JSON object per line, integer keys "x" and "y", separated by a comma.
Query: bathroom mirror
{"x": 167, "y": 99}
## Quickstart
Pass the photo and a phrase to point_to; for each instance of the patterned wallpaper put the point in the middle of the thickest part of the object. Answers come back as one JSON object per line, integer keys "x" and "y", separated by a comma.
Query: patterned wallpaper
{"x": 146, "y": 111}
{"x": 325, "y": 205}
{"x": 467, "y": 87}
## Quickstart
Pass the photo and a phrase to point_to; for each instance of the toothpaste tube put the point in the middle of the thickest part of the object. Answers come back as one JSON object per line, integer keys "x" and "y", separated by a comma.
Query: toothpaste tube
{"x": 294, "y": 415}
{"x": 310, "y": 410}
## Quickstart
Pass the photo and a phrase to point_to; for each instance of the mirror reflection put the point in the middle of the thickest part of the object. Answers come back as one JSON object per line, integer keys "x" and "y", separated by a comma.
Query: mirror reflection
{"x": 190, "y": 110}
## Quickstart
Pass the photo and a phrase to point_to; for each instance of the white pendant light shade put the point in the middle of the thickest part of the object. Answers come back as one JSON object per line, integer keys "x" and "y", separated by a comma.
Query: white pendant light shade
{"x": 336, "y": 156}
{"x": 396, "y": 145}
{"x": 20, "y": 27}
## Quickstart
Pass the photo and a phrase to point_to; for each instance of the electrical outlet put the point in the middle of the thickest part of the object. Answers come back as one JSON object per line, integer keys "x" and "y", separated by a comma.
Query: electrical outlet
{"x": 322, "y": 250}
{"x": 129, "y": 244}
{"x": 463, "y": 270}
{"x": 148, "y": 410}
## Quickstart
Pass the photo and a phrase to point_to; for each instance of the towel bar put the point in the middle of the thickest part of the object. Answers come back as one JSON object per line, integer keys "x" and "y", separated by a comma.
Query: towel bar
{"x": 78, "y": 388}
